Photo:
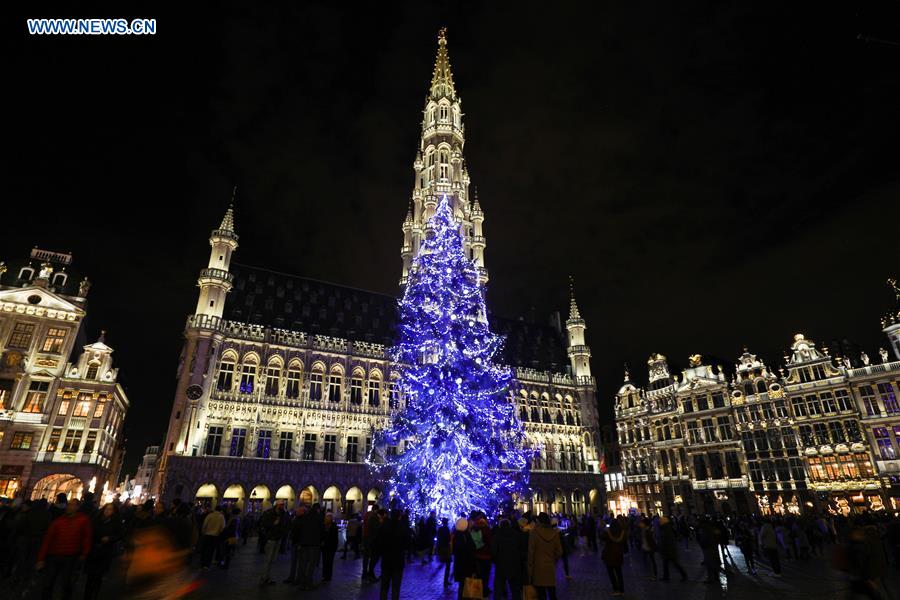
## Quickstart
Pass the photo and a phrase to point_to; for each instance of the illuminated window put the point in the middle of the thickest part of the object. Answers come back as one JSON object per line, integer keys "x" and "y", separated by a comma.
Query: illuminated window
{"x": 248, "y": 377}
{"x": 888, "y": 398}
{"x": 263, "y": 444}
{"x": 238, "y": 437}
{"x": 83, "y": 406}
{"x": 309, "y": 446}
{"x": 374, "y": 390}
{"x": 37, "y": 393}
{"x": 73, "y": 440}
{"x": 21, "y": 336}
{"x": 54, "y": 340}
{"x": 53, "y": 442}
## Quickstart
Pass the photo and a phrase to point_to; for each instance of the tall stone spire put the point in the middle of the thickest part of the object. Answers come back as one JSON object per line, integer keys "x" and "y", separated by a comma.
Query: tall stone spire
{"x": 442, "y": 78}
{"x": 573, "y": 306}
{"x": 228, "y": 219}
{"x": 440, "y": 169}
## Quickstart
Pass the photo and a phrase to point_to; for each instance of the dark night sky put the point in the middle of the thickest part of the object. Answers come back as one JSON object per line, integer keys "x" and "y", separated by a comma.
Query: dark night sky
{"x": 714, "y": 175}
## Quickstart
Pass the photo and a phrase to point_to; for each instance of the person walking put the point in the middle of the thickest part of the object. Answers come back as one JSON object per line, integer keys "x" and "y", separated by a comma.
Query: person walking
{"x": 310, "y": 546}
{"x": 273, "y": 525}
{"x": 768, "y": 544}
{"x": 296, "y": 527}
{"x": 744, "y": 539}
{"x": 708, "y": 538}
{"x": 371, "y": 523}
{"x": 392, "y": 544}
{"x": 463, "y": 549}
{"x": 590, "y": 525}
{"x": 510, "y": 552}
{"x": 108, "y": 532}
{"x": 648, "y": 545}
{"x": 443, "y": 549}
{"x": 482, "y": 536}
{"x": 66, "y": 544}
{"x": 613, "y": 556}
{"x": 212, "y": 526}
{"x": 544, "y": 550}
{"x": 668, "y": 548}
{"x": 329, "y": 545}
{"x": 229, "y": 538}
{"x": 352, "y": 535}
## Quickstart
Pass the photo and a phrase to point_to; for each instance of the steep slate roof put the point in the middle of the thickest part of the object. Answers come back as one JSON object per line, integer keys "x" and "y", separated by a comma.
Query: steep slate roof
{"x": 273, "y": 299}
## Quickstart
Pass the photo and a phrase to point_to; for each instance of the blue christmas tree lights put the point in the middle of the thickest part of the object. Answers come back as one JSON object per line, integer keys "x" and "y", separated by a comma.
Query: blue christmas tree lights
{"x": 457, "y": 444}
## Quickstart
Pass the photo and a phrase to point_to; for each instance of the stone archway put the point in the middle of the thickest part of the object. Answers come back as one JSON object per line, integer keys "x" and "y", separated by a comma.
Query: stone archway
{"x": 60, "y": 483}
{"x": 259, "y": 498}
{"x": 287, "y": 494}
{"x": 309, "y": 495}
{"x": 331, "y": 499}
{"x": 207, "y": 494}
{"x": 353, "y": 501}
{"x": 372, "y": 498}
{"x": 234, "y": 494}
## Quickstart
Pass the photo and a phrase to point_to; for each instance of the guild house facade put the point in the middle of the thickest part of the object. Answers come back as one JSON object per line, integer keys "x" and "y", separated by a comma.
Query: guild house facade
{"x": 60, "y": 416}
{"x": 284, "y": 380}
{"x": 823, "y": 433}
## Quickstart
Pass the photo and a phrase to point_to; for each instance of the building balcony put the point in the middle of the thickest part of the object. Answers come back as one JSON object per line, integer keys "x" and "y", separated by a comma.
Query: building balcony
{"x": 225, "y": 235}
{"x": 215, "y": 276}
{"x": 478, "y": 241}
{"x": 720, "y": 484}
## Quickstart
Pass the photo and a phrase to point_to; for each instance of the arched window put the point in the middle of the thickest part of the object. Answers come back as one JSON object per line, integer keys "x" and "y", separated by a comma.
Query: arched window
{"x": 59, "y": 279}
{"x": 761, "y": 386}
{"x": 356, "y": 387}
{"x": 316, "y": 378}
{"x": 334, "y": 384}
{"x": 373, "y": 389}
{"x": 92, "y": 371}
{"x": 444, "y": 160}
{"x": 225, "y": 381}
{"x": 294, "y": 379}
{"x": 748, "y": 388}
{"x": 273, "y": 378}
{"x": 248, "y": 374}
{"x": 393, "y": 392}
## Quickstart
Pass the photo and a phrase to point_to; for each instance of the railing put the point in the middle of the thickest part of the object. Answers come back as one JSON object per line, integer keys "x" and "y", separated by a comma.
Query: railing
{"x": 222, "y": 233}
{"x": 873, "y": 369}
{"x": 216, "y": 274}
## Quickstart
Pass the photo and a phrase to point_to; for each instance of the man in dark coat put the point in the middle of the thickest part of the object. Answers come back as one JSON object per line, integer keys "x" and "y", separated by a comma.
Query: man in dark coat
{"x": 463, "y": 553}
{"x": 274, "y": 525}
{"x": 310, "y": 545}
{"x": 392, "y": 543}
{"x": 668, "y": 548}
{"x": 510, "y": 550}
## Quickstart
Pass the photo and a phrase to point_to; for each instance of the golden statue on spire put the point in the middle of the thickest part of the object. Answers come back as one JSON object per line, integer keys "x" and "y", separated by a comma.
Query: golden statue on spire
{"x": 893, "y": 285}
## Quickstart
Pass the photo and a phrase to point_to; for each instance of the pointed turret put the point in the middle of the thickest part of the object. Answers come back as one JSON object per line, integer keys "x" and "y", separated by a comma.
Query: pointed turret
{"x": 442, "y": 79}
{"x": 579, "y": 352}
{"x": 215, "y": 280}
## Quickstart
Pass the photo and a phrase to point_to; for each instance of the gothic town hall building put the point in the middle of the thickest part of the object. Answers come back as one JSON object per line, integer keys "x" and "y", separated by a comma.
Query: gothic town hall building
{"x": 283, "y": 380}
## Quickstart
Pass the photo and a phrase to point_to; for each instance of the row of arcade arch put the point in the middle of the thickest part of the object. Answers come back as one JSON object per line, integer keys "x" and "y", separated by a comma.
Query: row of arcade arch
{"x": 262, "y": 496}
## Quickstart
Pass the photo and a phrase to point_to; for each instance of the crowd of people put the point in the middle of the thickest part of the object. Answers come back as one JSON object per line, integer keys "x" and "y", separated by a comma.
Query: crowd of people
{"x": 865, "y": 546}
{"x": 44, "y": 545}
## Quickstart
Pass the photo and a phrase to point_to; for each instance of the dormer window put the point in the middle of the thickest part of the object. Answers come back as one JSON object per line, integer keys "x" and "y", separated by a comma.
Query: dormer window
{"x": 26, "y": 273}
{"x": 59, "y": 279}
{"x": 92, "y": 371}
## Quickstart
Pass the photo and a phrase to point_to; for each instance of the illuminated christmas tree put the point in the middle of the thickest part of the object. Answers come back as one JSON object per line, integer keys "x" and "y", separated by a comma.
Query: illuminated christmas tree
{"x": 457, "y": 445}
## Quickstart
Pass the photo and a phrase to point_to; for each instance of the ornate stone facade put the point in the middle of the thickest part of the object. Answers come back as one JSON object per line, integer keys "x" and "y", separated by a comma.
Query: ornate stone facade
{"x": 60, "y": 421}
{"x": 284, "y": 380}
{"x": 824, "y": 434}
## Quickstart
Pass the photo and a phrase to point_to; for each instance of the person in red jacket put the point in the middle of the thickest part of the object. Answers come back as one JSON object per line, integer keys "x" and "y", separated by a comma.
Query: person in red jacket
{"x": 66, "y": 545}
